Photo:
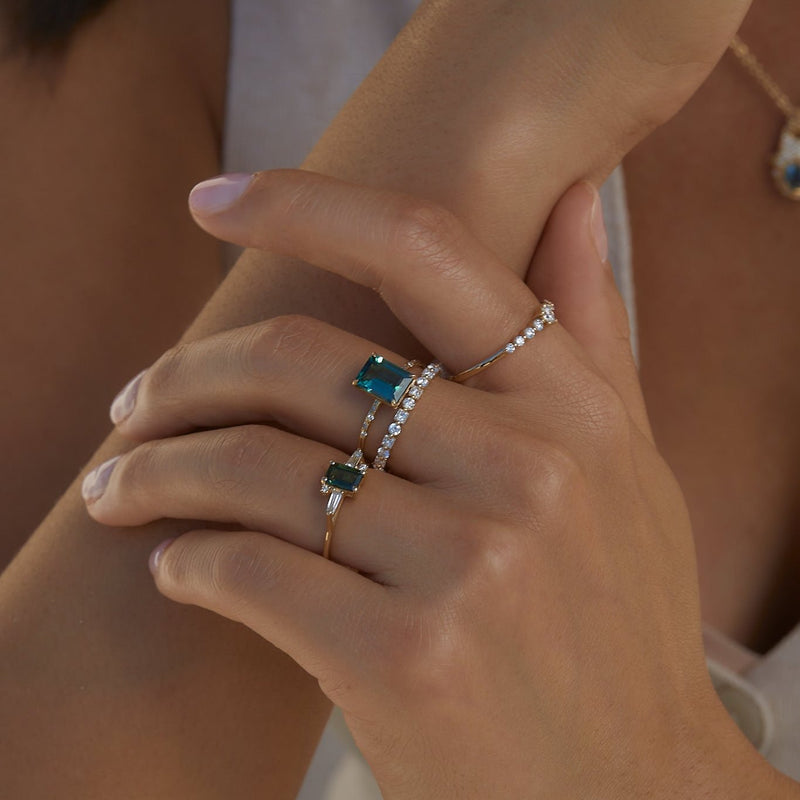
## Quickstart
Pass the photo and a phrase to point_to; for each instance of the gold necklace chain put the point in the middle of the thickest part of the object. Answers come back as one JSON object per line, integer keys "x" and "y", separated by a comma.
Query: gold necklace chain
{"x": 768, "y": 84}
{"x": 785, "y": 163}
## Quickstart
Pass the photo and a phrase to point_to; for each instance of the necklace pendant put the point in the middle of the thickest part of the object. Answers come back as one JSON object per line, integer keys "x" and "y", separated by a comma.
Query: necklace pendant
{"x": 786, "y": 162}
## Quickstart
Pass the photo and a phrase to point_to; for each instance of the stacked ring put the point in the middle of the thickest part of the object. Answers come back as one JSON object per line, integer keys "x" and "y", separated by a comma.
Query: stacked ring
{"x": 408, "y": 404}
{"x": 546, "y": 316}
{"x": 387, "y": 383}
{"x": 340, "y": 481}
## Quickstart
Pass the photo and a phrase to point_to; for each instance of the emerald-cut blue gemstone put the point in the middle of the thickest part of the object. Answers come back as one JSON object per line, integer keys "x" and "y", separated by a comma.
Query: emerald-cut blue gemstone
{"x": 343, "y": 477}
{"x": 792, "y": 176}
{"x": 383, "y": 380}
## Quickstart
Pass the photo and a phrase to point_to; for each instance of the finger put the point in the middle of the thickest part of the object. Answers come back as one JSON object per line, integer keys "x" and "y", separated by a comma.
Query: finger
{"x": 268, "y": 480}
{"x": 571, "y": 267}
{"x": 313, "y": 610}
{"x": 448, "y": 289}
{"x": 296, "y": 372}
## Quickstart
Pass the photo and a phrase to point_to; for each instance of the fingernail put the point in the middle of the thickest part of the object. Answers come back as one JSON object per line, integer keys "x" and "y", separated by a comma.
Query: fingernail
{"x": 125, "y": 401}
{"x": 220, "y": 193}
{"x": 599, "y": 232}
{"x": 95, "y": 483}
{"x": 155, "y": 556}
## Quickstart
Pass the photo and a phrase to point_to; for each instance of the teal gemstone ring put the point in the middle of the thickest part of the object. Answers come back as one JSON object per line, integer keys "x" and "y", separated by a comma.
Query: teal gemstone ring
{"x": 383, "y": 380}
{"x": 369, "y": 371}
{"x": 340, "y": 481}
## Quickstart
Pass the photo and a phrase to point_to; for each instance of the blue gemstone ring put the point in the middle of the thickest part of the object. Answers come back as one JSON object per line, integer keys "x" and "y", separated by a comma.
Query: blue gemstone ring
{"x": 374, "y": 374}
{"x": 340, "y": 481}
{"x": 384, "y": 381}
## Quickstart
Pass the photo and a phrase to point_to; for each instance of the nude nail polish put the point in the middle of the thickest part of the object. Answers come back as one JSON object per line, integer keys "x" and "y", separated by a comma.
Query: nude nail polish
{"x": 95, "y": 483}
{"x": 218, "y": 194}
{"x": 156, "y": 555}
{"x": 125, "y": 401}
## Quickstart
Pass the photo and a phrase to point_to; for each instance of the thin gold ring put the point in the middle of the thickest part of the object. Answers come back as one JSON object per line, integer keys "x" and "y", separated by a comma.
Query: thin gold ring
{"x": 341, "y": 480}
{"x": 545, "y": 316}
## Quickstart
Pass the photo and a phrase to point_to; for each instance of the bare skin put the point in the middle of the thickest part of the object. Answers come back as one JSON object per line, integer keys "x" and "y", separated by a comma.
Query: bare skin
{"x": 166, "y": 657}
{"x": 86, "y": 146}
{"x": 712, "y": 236}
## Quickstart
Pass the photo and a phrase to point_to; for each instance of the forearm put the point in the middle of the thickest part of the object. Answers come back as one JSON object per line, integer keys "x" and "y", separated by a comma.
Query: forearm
{"x": 129, "y": 696}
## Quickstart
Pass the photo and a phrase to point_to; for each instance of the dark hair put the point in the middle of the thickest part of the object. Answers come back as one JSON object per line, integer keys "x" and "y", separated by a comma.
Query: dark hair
{"x": 37, "y": 26}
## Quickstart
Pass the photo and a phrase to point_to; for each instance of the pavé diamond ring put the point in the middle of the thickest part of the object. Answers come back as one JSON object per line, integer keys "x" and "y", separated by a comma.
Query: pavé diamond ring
{"x": 409, "y": 403}
{"x": 545, "y": 317}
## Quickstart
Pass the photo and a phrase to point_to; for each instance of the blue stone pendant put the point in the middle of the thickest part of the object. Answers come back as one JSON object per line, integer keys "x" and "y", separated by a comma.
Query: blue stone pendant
{"x": 786, "y": 163}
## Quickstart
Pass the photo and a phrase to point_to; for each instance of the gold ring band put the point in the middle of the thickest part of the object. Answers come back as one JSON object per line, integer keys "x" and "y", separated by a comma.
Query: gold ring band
{"x": 341, "y": 480}
{"x": 546, "y": 316}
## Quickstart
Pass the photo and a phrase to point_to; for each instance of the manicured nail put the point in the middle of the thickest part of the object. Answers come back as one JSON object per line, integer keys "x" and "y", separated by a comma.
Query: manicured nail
{"x": 218, "y": 194}
{"x": 125, "y": 401}
{"x": 95, "y": 483}
{"x": 599, "y": 232}
{"x": 155, "y": 556}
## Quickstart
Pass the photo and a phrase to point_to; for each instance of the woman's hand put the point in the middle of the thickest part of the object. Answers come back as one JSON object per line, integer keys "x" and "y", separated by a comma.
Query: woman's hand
{"x": 512, "y": 610}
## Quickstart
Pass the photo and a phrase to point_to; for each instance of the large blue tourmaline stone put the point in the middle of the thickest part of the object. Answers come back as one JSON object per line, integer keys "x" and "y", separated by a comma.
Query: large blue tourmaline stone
{"x": 343, "y": 477}
{"x": 792, "y": 176}
{"x": 383, "y": 380}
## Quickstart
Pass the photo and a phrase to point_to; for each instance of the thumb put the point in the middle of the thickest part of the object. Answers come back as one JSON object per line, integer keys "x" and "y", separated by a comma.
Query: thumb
{"x": 571, "y": 268}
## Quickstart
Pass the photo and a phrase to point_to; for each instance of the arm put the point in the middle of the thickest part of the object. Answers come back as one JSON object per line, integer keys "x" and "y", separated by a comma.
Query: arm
{"x": 121, "y": 694}
{"x": 97, "y": 152}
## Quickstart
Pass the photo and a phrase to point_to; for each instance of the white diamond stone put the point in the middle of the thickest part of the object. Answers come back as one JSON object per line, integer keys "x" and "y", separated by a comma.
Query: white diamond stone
{"x": 383, "y": 453}
{"x": 388, "y": 442}
{"x": 519, "y": 341}
{"x": 510, "y": 347}
{"x": 401, "y": 416}
{"x": 423, "y": 382}
{"x": 415, "y": 392}
{"x": 409, "y": 403}
{"x": 529, "y": 333}
{"x": 395, "y": 429}
{"x": 538, "y": 325}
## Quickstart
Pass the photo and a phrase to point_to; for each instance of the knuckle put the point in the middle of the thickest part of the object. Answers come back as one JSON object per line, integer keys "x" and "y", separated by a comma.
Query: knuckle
{"x": 593, "y": 409}
{"x": 603, "y": 412}
{"x": 426, "y": 654}
{"x": 228, "y": 573}
{"x": 239, "y": 569}
{"x": 279, "y": 341}
{"x": 138, "y": 469}
{"x": 493, "y": 557}
{"x": 163, "y": 378}
{"x": 555, "y": 479}
{"x": 427, "y": 230}
{"x": 235, "y": 457}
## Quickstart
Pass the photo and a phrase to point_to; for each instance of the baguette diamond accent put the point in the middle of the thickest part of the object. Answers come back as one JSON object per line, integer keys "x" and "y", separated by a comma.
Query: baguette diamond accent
{"x": 340, "y": 481}
{"x": 401, "y": 417}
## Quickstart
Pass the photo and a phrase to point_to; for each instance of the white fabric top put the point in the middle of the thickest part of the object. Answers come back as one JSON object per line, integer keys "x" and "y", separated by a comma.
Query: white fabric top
{"x": 293, "y": 64}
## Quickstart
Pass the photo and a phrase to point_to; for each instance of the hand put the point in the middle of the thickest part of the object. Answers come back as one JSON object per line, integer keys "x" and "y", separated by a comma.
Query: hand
{"x": 520, "y": 617}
